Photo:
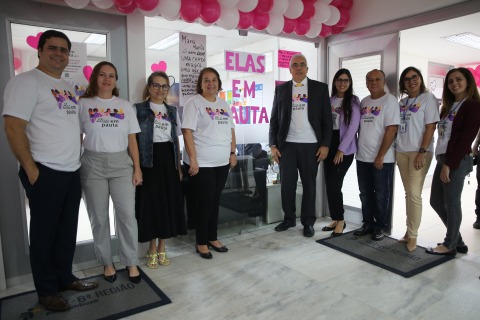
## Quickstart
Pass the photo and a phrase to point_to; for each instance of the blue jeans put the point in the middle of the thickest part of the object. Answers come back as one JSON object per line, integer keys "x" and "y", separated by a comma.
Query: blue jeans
{"x": 445, "y": 198}
{"x": 375, "y": 193}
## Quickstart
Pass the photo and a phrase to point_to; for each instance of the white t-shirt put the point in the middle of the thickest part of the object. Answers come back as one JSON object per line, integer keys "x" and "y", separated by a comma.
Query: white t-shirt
{"x": 162, "y": 126}
{"x": 300, "y": 128}
{"x": 107, "y": 123}
{"x": 212, "y": 126}
{"x": 375, "y": 116}
{"x": 445, "y": 128}
{"x": 50, "y": 107}
{"x": 336, "y": 110}
{"x": 415, "y": 114}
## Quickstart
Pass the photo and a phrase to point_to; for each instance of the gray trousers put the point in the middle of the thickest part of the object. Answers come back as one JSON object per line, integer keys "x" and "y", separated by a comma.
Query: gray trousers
{"x": 105, "y": 175}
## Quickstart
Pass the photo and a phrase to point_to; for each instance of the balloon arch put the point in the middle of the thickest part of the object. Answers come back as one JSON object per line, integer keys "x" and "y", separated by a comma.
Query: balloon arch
{"x": 310, "y": 18}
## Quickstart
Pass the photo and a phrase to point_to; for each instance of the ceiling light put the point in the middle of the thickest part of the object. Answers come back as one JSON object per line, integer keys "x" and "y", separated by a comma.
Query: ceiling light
{"x": 467, "y": 39}
{"x": 95, "y": 38}
{"x": 165, "y": 43}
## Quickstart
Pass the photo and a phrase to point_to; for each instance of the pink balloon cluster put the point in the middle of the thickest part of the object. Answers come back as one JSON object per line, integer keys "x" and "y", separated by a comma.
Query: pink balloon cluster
{"x": 476, "y": 74}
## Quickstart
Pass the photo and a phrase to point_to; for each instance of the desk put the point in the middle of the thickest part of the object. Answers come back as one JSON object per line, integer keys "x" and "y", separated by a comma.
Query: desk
{"x": 274, "y": 202}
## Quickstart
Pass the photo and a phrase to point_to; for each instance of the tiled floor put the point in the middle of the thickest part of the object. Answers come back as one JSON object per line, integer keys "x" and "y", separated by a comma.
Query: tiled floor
{"x": 272, "y": 275}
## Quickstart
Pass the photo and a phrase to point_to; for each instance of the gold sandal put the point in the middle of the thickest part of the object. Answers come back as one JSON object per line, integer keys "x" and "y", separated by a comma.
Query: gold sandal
{"x": 152, "y": 260}
{"x": 163, "y": 259}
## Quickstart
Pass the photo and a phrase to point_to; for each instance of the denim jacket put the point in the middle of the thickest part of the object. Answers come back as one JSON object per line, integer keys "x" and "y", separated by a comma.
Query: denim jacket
{"x": 146, "y": 119}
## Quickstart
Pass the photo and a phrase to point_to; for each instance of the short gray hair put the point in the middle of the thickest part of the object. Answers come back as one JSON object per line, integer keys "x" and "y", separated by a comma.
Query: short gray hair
{"x": 296, "y": 55}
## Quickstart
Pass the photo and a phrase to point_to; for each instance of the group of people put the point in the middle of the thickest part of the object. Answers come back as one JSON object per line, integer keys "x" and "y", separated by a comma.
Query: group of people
{"x": 378, "y": 131}
{"x": 132, "y": 155}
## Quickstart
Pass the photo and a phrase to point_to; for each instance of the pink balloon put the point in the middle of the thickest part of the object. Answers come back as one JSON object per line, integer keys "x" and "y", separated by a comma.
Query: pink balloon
{"x": 308, "y": 11}
{"x": 128, "y": 9}
{"x": 344, "y": 17}
{"x": 289, "y": 25}
{"x": 337, "y": 29}
{"x": 326, "y": 31}
{"x": 87, "y": 72}
{"x": 190, "y": 10}
{"x": 264, "y": 6}
{"x": 17, "y": 63}
{"x": 477, "y": 70}
{"x": 147, "y": 5}
{"x": 336, "y": 3}
{"x": 210, "y": 11}
{"x": 347, "y": 4}
{"x": 260, "y": 20}
{"x": 245, "y": 21}
{"x": 123, "y": 3}
{"x": 303, "y": 25}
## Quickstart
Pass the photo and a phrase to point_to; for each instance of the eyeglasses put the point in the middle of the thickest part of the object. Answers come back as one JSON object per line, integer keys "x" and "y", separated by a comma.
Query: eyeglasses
{"x": 158, "y": 86}
{"x": 414, "y": 78}
{"x": 346, "y": 81}
{"x": 299, "y": 65}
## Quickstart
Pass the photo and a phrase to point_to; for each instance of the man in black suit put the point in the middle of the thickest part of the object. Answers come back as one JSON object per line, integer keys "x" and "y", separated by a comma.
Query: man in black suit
{"x": 300, "y": 133}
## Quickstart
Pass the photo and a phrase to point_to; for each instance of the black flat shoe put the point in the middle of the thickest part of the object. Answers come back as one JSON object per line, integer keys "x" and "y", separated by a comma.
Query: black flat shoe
{"x": 207, "y": 255}
{"x": 327, "y": 228}
{"x": 436, "y": 253}
{"x": 110, "y": 278}
{"x": 463, "y": 248}
{"x": 338, "y": 234}
{"x": 134, "y": 279}
{"x": 218, "y": 249}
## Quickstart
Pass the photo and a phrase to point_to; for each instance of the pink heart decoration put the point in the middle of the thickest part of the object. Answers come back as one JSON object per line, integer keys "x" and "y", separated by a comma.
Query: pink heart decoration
{"x": 161, "y": 66}
{"x": 87, "y": 72}
{"x": 32, "y": 41}
{"x": 17, "y": 63}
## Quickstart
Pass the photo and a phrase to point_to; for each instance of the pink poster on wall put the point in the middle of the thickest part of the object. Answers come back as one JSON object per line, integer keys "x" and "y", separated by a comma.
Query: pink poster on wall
{"x": 284, "y": 57}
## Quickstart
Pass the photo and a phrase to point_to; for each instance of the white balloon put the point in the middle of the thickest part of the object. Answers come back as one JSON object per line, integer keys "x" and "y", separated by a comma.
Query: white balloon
{"x": 77, "y": 4}
{"x": 334, "y": 16}
{"x": 294, "y": 10}
{"x": 103, "y": 4}
{"x": 228, "y": 3}
{"x": 247, "y": 5}
{"x": 276, "y": 23}
{"x": 326, "y": 1}
{"x": 229, "y": 18}
{"x": 315, "y": 29}
{"x": 279, "y": 7}
{"x": 170, "y": 9}
{"x": 322, "y": 12}
{"x": 152, "y": 13}
{"x": 203, "y": 23}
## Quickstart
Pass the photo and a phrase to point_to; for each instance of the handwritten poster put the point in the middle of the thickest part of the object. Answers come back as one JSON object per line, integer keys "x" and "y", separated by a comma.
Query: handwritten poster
{"x": 192, "y": 51}
{"x": 436, "y": 86}
{"x": 284, "y": 57}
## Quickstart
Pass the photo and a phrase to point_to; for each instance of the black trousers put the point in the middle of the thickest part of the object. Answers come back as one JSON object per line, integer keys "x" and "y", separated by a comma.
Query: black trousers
{"x": 299, "y": 158}
{"x": 334, "y": 176}
{"x": 477, "y": 193}
{"x": 207, "y": 186}
{"x": 54, "y": 201}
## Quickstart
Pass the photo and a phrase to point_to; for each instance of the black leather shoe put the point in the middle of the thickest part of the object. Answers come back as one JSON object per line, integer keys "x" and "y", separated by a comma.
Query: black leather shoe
{"x": 476, "y": 224}
{"x": 327, "y": 228}
{"x": 461, "y": 248}
{"x": 308, "y": 231}
{"x": 447, "y": 253}
{"x": 363, "y": 231}
{"x": 377, "y": 234}
{"x": 134, "y": 279}
{"x": 218, "y": 249}
{"x": 81, "y": 285}
{"x": 54, "y": 303}
{"x": 284, "y": 225}
{"x": 338, "y": 234}
{"x": 111, "y": 278}
{"x": 207, "y": 255}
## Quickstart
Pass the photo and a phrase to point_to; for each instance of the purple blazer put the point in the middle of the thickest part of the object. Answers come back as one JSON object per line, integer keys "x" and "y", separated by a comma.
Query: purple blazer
{"x": 348, "y": 135}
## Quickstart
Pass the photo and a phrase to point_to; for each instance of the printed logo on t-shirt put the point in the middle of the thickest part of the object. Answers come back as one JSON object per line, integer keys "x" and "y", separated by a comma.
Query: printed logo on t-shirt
{"x": 299, "y": 102}
{"x": 413, "y": 108}
{"x": 369, "y": 113}
{"x": 65, "y": 100}
{"x": 337, "y": 109}
{"x": 162, "y": 121}
{"x": 300, "y": 97}
{"x": 108, "y": 118}
{"x": 220, "y": 115}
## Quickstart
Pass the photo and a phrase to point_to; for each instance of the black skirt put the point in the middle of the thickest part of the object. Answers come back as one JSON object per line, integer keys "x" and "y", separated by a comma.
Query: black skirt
{"x": 159, "y": 200}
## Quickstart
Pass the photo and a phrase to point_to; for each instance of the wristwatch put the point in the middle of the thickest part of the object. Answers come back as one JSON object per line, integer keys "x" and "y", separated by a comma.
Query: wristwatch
{"x": 422, "y": 150}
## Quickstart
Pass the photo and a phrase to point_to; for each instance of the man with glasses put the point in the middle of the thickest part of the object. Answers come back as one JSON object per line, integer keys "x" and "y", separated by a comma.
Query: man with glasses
{"x": 300, "y": 133}
{"x": 380, "y": 117}
{"x": 43, "y": 129}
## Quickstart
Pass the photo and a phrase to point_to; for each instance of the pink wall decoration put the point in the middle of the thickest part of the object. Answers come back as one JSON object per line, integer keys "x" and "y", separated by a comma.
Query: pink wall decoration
{"x": 17, "y": 63}
{"x": 32, "y": 41}
{"x": 160, "y": 66}
{"x": 476, "y": 74}
{"x": 302, "y": 17}
{"x": 87, "y": 72}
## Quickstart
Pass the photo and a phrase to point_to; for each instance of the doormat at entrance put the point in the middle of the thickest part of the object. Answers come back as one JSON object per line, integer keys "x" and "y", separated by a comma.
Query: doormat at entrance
{"x": 116, "y": 300}
{"x": 388, "y": 253}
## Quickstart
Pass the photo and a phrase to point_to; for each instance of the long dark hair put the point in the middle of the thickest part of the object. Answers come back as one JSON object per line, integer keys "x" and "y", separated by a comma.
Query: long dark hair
{"x": 348, "y": 96}
{"x": 92, "y": 89}
{"x": 146, "y": 93}
{"x": 448, "y": 98}
{"x": 401, "y": 82}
